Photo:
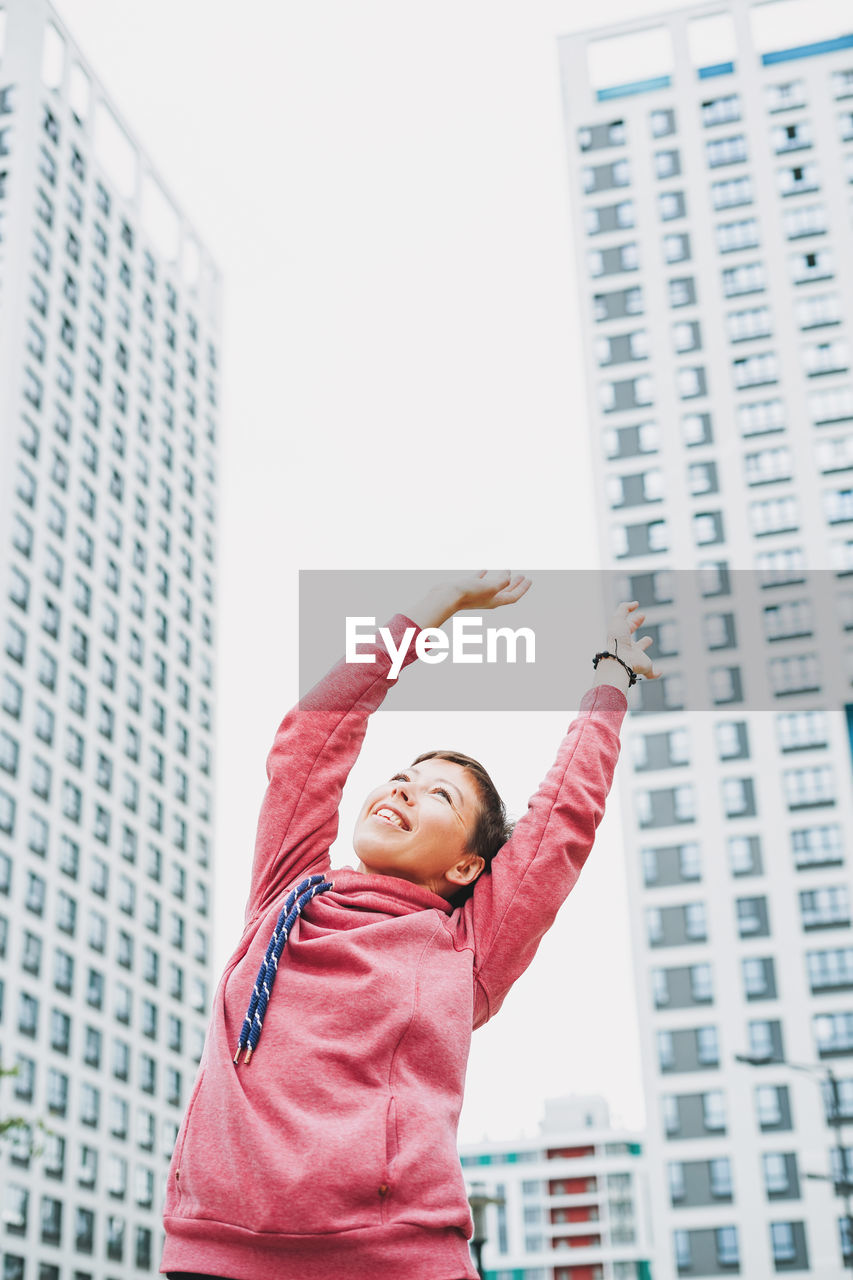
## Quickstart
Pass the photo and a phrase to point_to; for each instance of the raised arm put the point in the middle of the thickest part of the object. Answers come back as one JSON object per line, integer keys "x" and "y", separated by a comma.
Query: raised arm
{"x": 514, "y": 905}
{"x": 316, "y": 745}
{"x": 318, "y": 741}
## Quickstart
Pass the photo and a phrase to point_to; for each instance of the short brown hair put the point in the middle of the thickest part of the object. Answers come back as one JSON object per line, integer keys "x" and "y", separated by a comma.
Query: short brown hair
{"x": 492, "y": 828}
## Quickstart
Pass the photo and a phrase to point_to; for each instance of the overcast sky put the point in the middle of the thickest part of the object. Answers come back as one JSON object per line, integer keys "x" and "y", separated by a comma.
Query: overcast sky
{"x": 383, "y": 185}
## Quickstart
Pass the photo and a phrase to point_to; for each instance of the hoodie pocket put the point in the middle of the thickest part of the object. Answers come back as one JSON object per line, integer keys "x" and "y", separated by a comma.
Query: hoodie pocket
{"x": 173, "y": 1185}
{"x": 391, "y": 1149}
{"x": 283, "y": 1164}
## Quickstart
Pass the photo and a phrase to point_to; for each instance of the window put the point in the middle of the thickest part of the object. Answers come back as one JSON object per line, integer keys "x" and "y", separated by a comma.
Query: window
{"x": 769, "y": 1102}
{"x": 783, "y": 1241}
{"x": 817, "y": 264}
{"x": 818, "y": 310}
{"x": 805, "y": 220}
{"x": 783, "y": 97}
{"x": 842, "y": 83}
{"x": 833, "y": 1033}
{"x": 609, "y": 217}
{"x": 757, "y": 974}
{"x": 817, "y": 846}
{"x": 681, "y": 1244}
{"x": 838, "y": 505}
{"x": 744, "y": 855}
{"x": 773, "y": 515}
{"x": 768, "y": 466}
{"x": 765, "y": 1040}
{"x": 834, "y": 405}
{"x": 601, "y": 135}
{"x": 147, "y": 1073}
{"x": 707, "y": 527}
{"x": 84, "y": 1221}
{"x": 721, "y": 110}
{"x": 799, "y": 673}
{"x": 606, "y": 176}
{"x": 830, "y": 970}
{"x": 97, "y": 933}
{"x": 95, "y": 989}
{"x": 752, "y": 918}
{"x": 681, "y": 292}
{"x": 676, "y": 248}
{"x": 12, "y": 699}
{"x": 725, "y": 686}
{"x": 602, "y": 262}
{"x": 662, "y": 122}
{"x": 801, "y": 729}
{"x": 752, "y": 323}
{"x": 732, "y": 192}
{"x": 119, "y": 1113}
{"x": 745, "y": 278}
{"x": 117, "y": 1176}
{"x": 826, "y": 357}
{"x": 723, "y": 151}
{"x": 51, "y": 1223}
{"x": 667, "y": 164}
{"x": 791, "y": 137}
{"x": 733, "y": 236}
{"x": 756, "y": 370}
{"x": 728, "y": 1254}
{"x": 115, "y": 1238}
{"x": 15, "y": 1211}
{"x": 827, "y": 907}
{"x": 780, "y": 568}
{"x": 732, "y": 740}
{"x": 671, "y": 205}
{"x": 90, "y": 1105}
{"x": 797, "y": 178}
{"x": 714, "y": 1111}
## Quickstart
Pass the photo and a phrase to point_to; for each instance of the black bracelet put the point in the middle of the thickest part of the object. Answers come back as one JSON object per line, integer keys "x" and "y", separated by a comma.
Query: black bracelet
{"x": 632, "y": 675}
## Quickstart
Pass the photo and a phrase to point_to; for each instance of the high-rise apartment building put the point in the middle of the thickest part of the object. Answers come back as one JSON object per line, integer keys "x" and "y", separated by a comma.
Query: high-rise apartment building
{"x": 569, "y": 1204}
{"x": 711, "y": 173}
{"x": 109, "y": 344}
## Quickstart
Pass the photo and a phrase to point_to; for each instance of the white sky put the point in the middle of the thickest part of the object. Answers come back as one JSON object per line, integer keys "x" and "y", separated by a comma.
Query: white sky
{"x": 383, "y": 185}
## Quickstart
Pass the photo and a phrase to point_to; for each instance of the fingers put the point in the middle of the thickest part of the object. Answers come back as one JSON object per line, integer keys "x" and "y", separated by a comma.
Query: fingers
{"x": 518, "y": 586}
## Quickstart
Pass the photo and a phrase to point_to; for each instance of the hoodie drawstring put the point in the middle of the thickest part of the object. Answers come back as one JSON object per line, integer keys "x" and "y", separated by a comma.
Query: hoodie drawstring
{"x": 254, "y": 1020}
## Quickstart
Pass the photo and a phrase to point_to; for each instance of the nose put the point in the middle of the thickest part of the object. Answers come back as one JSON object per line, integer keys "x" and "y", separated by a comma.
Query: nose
{"x": 399, "y": 789}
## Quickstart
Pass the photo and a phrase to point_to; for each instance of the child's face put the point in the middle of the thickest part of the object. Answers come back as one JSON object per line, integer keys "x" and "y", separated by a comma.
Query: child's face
{"x": 418, "y": 826}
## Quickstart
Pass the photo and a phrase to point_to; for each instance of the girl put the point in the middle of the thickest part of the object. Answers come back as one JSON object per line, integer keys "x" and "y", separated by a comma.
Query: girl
{"x": 320, "y": 1138}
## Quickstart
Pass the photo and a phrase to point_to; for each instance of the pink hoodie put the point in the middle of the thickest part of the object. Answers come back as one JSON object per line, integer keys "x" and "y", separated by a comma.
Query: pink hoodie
{"x": 333, "y": 1153}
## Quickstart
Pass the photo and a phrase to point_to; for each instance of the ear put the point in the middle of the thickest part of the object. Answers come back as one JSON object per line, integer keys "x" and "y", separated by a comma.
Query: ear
{"x": 466, "y": 870}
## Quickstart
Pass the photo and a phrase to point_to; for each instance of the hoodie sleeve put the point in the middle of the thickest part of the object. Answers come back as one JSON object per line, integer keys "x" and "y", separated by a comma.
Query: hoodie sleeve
{"x": 316, "y": 745}
{"x": 514, "y": 905}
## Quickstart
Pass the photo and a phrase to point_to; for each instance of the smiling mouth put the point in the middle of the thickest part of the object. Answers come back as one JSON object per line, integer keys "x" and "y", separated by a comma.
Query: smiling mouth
{"x": 394, "y": 819}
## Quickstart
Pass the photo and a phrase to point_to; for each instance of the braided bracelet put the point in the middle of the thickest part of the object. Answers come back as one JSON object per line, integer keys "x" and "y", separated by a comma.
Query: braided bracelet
{"x": 632, "y": 675}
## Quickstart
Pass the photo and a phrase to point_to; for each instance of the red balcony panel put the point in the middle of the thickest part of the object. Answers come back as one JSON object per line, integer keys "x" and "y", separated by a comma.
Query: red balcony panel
{"x": 571, "y": 1186}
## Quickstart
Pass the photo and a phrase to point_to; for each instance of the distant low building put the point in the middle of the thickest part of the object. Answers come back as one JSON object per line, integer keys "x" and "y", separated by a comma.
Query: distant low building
{"x": 575, "y": 1199}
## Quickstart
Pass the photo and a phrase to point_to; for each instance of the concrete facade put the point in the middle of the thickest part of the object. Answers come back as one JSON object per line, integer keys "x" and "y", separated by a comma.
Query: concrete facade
{"x": 710, "y": 157}
{"x": 109, "y": 386}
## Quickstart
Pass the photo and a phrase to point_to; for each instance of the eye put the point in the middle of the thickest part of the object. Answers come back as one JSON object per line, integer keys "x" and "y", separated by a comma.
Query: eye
{"x": 400, "y": 777}
{"x": 441, "y": 791}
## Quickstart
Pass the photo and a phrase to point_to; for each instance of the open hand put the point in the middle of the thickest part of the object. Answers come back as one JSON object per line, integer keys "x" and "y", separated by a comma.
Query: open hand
{"x": 483, "y": 590}
{"x": 621, "y": 629}
{"x": 491, "y": 590}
